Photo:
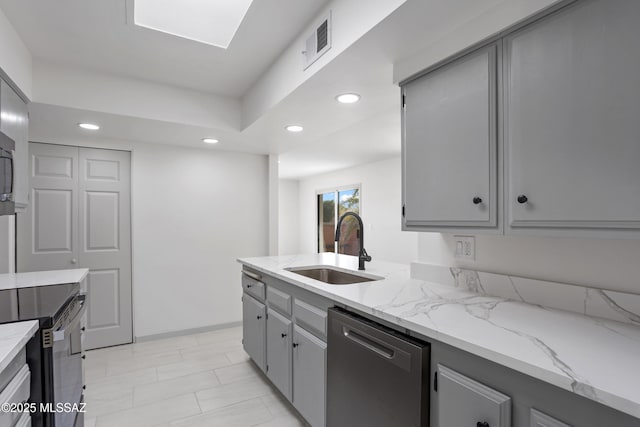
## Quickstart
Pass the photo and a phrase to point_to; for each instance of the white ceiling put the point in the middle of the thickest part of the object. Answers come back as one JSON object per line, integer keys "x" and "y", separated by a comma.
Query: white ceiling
{"x": 95, "y": 34}
{"x": 336, "y": 136}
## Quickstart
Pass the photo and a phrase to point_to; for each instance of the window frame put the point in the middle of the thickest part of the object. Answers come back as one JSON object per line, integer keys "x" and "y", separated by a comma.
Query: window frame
{"x": 334, "y": 190}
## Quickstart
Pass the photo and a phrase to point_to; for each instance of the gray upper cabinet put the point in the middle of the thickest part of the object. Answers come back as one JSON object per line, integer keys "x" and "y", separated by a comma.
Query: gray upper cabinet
{"x": 572, "y": 134}
{"x": 450, "y": 145}
{"x": 309, "y": 376}
{"x": 14, "y": 122}
{"x": 254, "y": 318}
{"x": 279, "y": 340}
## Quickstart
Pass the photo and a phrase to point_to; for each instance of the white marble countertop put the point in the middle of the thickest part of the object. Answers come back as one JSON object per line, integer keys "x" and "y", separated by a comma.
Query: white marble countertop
{"x": 42, "y": 278}
{"x": 14, "y": 336}
{"x": 592, "y": 357}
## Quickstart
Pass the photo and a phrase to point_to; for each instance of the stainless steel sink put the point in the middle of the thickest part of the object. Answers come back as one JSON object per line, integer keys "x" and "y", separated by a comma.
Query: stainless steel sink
{"x": 333, "y": 276}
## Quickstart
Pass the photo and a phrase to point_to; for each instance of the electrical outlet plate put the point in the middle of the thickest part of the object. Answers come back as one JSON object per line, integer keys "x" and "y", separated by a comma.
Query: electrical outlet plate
{"x": 465, "y": 247}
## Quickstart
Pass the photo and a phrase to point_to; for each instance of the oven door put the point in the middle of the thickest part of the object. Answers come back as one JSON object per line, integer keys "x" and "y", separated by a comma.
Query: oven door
{"x": 68, "y": 371}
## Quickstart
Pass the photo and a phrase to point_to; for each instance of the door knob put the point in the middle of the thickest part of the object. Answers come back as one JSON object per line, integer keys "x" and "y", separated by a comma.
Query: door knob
{"x": 477, "y": 200}
{"x": 522, "y": 199}
{"x": 74, "y": 261}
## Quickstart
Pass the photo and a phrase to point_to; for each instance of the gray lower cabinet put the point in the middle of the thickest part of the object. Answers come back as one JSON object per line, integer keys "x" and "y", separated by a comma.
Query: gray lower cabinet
{"x": 450, "y": 145}
{"x": 279, "y": 339}
{"x": 463, "y": 401}
{"x": 309, "y": 376}
{"x": 572, "y": 102}
{"x": 254, "y": 322}
{"x": 539, "y": 419}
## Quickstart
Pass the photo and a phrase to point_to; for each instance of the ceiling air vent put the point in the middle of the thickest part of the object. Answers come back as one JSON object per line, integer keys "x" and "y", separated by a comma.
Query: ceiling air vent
{"x": 318, "y": 42}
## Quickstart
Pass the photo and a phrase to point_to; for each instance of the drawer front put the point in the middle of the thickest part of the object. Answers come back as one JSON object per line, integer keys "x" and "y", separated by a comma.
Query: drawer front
{"x": 310, "y": 317}
{"x": 465, "y": 402}
{"x": 24, "y": 421}
{"x": 539, "y": 419}
{"x": 12, "y": 369}
{"x": 17, "y": 391}
{"x": 279, "y": 300}
{"x": 253, "y": 287}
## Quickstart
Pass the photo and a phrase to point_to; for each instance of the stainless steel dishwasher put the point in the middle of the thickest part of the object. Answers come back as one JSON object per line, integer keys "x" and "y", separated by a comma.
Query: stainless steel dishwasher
{"x": 376, "y": 377}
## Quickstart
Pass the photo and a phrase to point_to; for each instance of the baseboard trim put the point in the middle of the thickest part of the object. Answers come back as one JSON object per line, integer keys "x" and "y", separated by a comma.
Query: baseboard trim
{"x": 182, "y": 332}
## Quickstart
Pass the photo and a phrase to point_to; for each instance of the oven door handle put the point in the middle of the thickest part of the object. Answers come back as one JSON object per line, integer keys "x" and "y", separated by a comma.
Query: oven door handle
{"x": 62, "y": 334}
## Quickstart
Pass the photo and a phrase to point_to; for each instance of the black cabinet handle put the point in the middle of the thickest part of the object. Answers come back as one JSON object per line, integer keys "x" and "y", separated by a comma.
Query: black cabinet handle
{"x": 295, "y": 344}
{"x": 482, "y": 424}
{"x": 477, "y": 200}
{"x": 283, "y": 335}
{"x": 522, "y": 199}
{"x": 258, "y": 317}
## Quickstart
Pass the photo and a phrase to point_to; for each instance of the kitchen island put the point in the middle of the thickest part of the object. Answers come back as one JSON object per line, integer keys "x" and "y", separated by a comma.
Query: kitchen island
{"x": 590, "y": 357}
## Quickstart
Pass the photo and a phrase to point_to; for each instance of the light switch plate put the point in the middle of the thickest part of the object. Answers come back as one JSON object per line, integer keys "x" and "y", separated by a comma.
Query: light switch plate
{"x": 465, "y": 247}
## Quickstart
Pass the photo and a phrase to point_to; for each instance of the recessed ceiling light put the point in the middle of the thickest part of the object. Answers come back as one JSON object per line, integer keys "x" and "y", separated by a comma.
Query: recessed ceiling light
{"x": 294, "y": 128}
{"x": 88, "y": 126}
{"x": 348, "y": 98}
{"x": 210, "y": 140}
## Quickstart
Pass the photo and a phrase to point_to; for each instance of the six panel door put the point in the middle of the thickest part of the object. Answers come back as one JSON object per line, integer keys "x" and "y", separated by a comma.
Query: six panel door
{"x": 450, "y": 144}
{"x": 105, "y": 244}
{"x": 79, "y": 217}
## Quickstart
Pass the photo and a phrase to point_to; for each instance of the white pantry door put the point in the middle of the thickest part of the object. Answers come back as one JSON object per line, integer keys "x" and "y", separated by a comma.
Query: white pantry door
{"x": 80, "y": 217}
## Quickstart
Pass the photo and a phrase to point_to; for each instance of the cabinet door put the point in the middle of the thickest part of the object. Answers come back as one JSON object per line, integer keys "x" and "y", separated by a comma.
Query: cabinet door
{"x": 254, "y": 329}
{"x": 450, "y": 152}
{"x": 14, "y": 122}
{"x": 279, "y": 339}
{"x": 309, "y": 376}
{"x": 572, "y": 132}
{"x": 465, "y": 402}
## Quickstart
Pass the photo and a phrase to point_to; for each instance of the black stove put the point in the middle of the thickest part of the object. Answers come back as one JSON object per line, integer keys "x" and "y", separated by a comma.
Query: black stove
{"x": 54, "y": 354}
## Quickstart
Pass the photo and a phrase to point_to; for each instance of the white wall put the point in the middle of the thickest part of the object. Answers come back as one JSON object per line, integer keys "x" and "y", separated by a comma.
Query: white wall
{"x": 194, "y": 213}
{"x": 380, "y": 208}
{"x": 602, "y": 263}
{"x": 288, "y": 216}
{"x": 15, "y": 58}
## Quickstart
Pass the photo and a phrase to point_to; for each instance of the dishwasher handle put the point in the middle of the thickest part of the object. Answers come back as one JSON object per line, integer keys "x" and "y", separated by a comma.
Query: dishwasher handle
{"x": 367, "y": 341}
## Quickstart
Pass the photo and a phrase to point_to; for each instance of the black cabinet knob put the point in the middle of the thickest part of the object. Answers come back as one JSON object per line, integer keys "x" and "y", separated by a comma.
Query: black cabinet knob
{"x": 258, "y": 317}
{"x": 522, "y": 199}
{"x": 84, "y": 357}
{"x": 249, "y": 286}
{"x": 482, "y": 424}
{"x": 83, "y": 329}
{"x": 283, "y": 335}
{"x": 477, "y": 200}
{"x": 295, "y": 344}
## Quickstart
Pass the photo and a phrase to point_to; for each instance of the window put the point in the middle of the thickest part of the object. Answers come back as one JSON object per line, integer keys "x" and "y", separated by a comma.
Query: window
{"x": 331, "y": 206}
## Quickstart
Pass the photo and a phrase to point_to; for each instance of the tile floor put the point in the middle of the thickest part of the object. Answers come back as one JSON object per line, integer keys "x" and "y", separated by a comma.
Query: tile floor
{"x": 194, "y": 380}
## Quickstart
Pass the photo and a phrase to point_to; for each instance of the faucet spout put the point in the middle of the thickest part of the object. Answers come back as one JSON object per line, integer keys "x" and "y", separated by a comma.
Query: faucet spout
{"x": 363, "y": 255}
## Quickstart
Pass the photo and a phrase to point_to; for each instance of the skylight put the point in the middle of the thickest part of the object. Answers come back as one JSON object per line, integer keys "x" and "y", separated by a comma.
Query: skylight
{"x": 213, "y": 22}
